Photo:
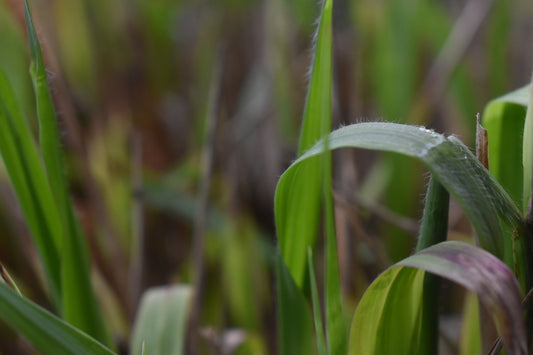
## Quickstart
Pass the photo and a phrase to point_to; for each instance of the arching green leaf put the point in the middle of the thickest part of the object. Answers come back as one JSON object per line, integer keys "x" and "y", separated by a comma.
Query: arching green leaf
{"x": 389, "y": 307}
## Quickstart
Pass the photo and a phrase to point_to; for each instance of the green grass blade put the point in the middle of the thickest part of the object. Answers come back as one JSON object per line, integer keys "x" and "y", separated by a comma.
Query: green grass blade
{"x": 79, "y": 303}
{"x": 504, "y": 119}
{"x": 295, "y": 330}
{"x": 49, "y": 334}
{"x": 317, "y": 112}
{"x": 434, "y": 230}
{"x": 161, "y": 322}
{"x": 393, "y": 296}
{"x": 319, "y": 330}
{"x": 527, "y": 155}
{"x": 470, "y": 333}
{"x": 29, "y": 181}
{"x": 316, "y": 123}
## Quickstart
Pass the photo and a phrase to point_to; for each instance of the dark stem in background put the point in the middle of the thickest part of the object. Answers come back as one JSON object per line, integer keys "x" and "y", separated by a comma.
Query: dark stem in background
{"x": 434, "y": 230}
{"x": 206, "y": 170}
{"x": 487, "y": 328}
{"x": 482, "y": 143}
{"x": 462, "y": 35}
{"x": 137, "y": 224}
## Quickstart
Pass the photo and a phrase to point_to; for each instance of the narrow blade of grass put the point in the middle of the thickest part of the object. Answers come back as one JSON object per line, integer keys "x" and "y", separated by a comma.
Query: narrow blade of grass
{"x": 319, "y": 330}
{"x": 316, "y": 123}
{"x": 79, "y": 304}
{"x": 336, "y": 328}
{"x": 49, "y": 334}
{"x": 434, "y": 230}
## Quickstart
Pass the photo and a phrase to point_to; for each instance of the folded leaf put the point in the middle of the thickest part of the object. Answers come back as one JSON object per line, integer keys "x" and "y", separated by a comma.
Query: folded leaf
{"x": 486, "y": 204}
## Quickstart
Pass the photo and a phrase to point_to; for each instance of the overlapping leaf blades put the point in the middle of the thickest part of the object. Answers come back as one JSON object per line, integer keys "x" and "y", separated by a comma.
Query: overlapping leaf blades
{"x": 79, "y": 305}
{"x": 489, "y": 208}
{"x": 44, "y": 198}
{"x": 395, "y": 293}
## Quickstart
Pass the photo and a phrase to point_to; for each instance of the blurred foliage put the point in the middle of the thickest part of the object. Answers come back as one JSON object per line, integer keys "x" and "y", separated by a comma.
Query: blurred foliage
{"x": 131, "y": 82}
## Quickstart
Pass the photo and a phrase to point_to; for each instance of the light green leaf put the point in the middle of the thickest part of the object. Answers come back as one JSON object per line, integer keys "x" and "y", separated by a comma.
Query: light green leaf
{"x": 161, "y": 322}
{"x": 79, "y": 303}
{"x": 388, "y": 308}
{"x": 316, "y": 123}
{"x": 49, "y": 334}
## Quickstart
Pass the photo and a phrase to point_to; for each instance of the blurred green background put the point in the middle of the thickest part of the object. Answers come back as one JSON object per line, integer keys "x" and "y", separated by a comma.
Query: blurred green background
{"x": 178, "y": 117}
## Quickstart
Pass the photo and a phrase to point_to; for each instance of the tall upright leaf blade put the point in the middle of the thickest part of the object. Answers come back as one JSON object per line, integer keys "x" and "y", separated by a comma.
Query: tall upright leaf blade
{"x": 304, "y": 203}
{"x": 317, "y": 112}
{"x": 79, "y": 303}
{"x": 49, "y": 334}
{"x": 434, "y": 229}
{"x": 319, "y": 330}
{"x": 465, "y": 264}
{"x": 29, "y": 181}
{"x": 316, "y": 123}
{"x": 336, "y": 329}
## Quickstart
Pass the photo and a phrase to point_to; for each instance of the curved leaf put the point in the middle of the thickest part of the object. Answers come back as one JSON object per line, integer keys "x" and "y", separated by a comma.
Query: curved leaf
{"x": 488, "y": 207}
{"x": 398, "y": 290}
